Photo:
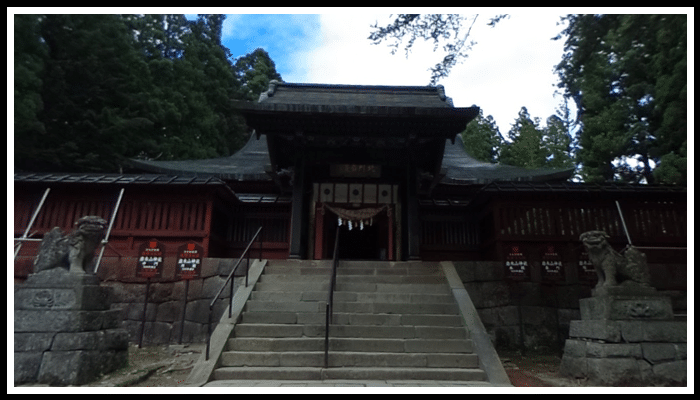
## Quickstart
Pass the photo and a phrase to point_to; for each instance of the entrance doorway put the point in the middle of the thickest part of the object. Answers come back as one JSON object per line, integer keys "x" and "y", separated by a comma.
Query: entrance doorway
{"x": 366, "y": 242}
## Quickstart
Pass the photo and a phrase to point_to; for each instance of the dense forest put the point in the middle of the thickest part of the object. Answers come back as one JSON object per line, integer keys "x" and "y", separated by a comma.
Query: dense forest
{"x": 93, "y": 91}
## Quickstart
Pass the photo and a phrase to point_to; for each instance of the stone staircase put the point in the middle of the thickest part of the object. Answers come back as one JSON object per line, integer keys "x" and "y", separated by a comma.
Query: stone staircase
{"x": 392, "y": 321}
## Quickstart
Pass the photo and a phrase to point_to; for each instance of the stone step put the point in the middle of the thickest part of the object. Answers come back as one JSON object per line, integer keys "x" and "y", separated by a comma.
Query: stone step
{"x": 392, "y": 321}
{"x": 395, "y": 279}
{"x": 339, "y": 297}
{"x": 325, "y": 264}
{"x": 355, "y": 373}
{"x": 346, "y": 359}
{"x": 355, "y": 307}
{"x": 355, "y": 270}
{"x": 359, "y": 331}
{"x": 353, "y": 287}
{"x": 293, "y": 306}
{"x": 389, "y": 373}
{"x": 268, "y": 373}
{"x": 350, "y": 344}
{"x": 351, "y": 318}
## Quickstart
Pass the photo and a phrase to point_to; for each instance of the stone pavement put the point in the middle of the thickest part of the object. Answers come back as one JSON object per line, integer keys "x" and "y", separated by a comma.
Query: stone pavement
{"x": 344, "y": 383}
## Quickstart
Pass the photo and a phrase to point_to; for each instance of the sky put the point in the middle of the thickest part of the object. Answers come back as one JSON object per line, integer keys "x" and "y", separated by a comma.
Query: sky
{"x": 511, "y": 66}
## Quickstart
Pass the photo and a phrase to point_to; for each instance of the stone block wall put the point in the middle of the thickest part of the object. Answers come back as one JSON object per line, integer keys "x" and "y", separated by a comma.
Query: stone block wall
{"x": 64, "y": 330}
{"x": 528, "y": 314}
{"x": 163, "y": 319}
{"x": 627, "y": 338}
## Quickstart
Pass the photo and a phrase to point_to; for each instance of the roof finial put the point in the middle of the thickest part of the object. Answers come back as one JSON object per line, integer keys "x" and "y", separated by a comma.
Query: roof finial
{"x": 270, "y": 90}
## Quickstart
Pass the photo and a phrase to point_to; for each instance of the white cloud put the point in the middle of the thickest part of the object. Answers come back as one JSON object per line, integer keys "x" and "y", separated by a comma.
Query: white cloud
{"x": 345, "y": 55}
{"x": 510, "y": 66}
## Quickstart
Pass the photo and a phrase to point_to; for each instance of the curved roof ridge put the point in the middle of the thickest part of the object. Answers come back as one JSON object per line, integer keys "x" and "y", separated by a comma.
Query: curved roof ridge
{"x": 463, "y": 168}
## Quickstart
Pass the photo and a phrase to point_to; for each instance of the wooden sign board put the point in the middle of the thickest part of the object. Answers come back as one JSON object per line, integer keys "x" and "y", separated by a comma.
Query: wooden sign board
{"x": 150, "y": 261}
{"x": 189, "y": 261}
{"x": 516, "y": 264}
{"x": 586, "y": 269}
{"x": 552, "y": 265}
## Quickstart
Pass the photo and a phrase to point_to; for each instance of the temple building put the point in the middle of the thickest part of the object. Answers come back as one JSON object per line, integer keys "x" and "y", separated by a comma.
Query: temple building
{"x": 385, "y": 163}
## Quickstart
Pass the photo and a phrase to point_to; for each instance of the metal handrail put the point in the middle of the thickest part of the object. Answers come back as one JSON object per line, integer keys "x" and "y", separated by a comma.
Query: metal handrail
{"x": 24, "y": 237}
{"x": 331, "y": 289}
{"x": 246, "y": 253}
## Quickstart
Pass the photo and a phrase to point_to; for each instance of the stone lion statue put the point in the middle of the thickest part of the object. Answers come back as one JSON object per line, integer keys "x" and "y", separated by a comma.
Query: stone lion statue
{"x": 74, "y": 251}
{"x": 612, "y": 267}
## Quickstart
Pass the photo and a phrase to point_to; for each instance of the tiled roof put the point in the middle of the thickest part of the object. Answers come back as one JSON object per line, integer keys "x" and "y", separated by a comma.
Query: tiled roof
{"x": 116, "y": 179}
{"x": 355, "y": 100}
{"x": 465, "y": 169}
{"x": 361, "y": 100}
{"x": 356, "y": 95}
{"x": 248, "y": 164}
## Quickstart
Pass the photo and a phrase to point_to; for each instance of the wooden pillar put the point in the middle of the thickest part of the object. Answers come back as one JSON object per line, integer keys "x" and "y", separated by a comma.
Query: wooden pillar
{"x": 298, "y": 220}
{"x": 318, "y": 242}
{"x": 209, "y": 213}
{"x": 412, "y": 223}
{"x": 390, "y": 229}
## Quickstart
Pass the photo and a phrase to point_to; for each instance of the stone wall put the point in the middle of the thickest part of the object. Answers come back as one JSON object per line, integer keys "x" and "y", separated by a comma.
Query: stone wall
{"x": 65, "y": 332}
{"x": 165, "y": 300}
{"x": 627, "y": 336}
{"x": 528, "y": 314}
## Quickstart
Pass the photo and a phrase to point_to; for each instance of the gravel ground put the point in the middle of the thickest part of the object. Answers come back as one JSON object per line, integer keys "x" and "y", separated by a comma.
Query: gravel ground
{"x": 154, "y": 366}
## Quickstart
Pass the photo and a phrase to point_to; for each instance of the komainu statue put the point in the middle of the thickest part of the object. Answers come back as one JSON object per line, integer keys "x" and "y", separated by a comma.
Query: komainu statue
{"x": 74, "y": 251}
{"x": 612, "y": 267}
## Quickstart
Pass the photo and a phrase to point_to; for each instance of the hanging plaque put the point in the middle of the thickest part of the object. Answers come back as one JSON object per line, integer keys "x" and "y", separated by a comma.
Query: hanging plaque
{"x": 189, "y": 261}
{"x": 150, "y": 261}
{"x": 516, "y": 264}
{"x": 552, "y": 266}
{"x": 355, "y": 171}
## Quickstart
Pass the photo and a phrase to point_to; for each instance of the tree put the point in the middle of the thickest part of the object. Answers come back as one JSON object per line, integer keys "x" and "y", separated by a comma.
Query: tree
{"x": 481, "y": 138}
{"x": 93, "y": 91}
{"x": 255, "y": 71}
{"x": 627, "y": 76}
{"x": 30, "y": 56}
{"x": 92, "y": 86}
{"x": 557, "y": 144}
{"x": 525, "y": 144}
{"x": 450, "y": 29}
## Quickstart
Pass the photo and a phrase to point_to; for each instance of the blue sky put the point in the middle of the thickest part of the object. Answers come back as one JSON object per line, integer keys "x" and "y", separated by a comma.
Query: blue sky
{"x": 511, "y": 65}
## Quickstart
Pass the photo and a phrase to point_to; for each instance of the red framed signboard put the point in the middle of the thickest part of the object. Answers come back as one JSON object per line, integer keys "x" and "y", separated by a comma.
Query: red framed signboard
{"x": 189, "y": 261}
{"x": 150, "y": 261}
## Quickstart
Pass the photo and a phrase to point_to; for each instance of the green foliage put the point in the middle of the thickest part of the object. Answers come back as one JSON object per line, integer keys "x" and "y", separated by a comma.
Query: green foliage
{"x": 673, "y": 168}
{"x": 558, "y": 144}
{"x": 525, "y": 146}
{"x": 627, "y": 75}
{"x": 93, "y": 91}
{"x": 482, "y": 139}
{"x": 255, "y": 71}
{"x": 530, "y": 146}
{"x": 30, "y": 56}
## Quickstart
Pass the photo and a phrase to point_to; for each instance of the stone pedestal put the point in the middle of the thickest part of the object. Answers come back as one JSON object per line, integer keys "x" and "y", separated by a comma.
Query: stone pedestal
{"x": 627, "y": 337}
{"x": 65, "y": 333}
